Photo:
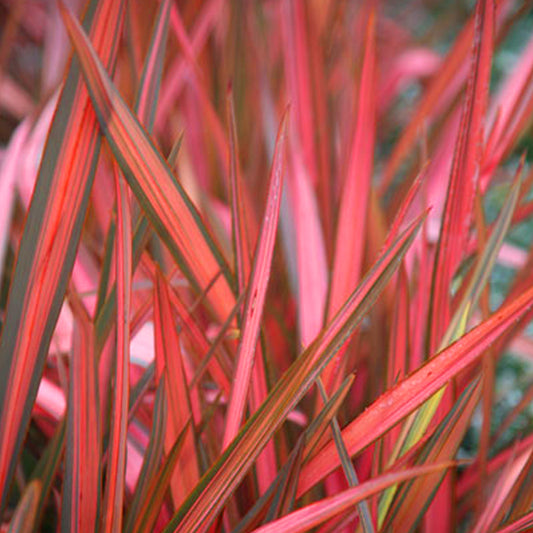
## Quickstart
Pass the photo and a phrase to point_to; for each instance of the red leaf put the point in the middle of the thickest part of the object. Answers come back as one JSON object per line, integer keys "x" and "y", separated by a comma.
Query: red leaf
{"x": 220, "y": 481}
{"x": 81, "y": 487}
{"x": 168, "y": 356}
{"x": 116, "y": 462}
{"x": 464, "y": 175}
{"x": 255, "y": 297}
{"x": 314, "y": 514}
{"x": 411, "y": 392}
{"x": 162, "y": 197}
{"x": 47, "y": 250}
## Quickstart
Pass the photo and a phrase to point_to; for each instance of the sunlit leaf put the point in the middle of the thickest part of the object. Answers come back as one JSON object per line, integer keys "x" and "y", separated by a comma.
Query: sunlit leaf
{"x": 316, "y": 513}
{"x": 256, "y": 292}
{"x": 412, "y": 391}
{"x": 81, "y": 487}
{"x": 164, "y": 200}
{"x": 49, "y": 243}
{"x": 116, "y": 462}
{"x": 222, "y": 478}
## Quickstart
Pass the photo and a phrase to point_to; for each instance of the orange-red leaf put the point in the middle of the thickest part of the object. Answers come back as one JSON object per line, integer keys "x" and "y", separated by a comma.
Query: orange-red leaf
{"x": 169, "y": 358}
{"x": 255, "y": 298}
{"x": 162, "y": 197}
{"x": 411, "y": 392}
{"x": 502, "y": 492}
{"x": 351, "y": 226}
{"x": 316, "y": 513}
{"x": 413, "y": 499}
{"x": 48, "y": 246}
{"x": 458, "y": 209}
{"x": 522, "y": 524}
{"x": 220, "y": 481}
{"x": 116, "y": 462}
{"x": 350, "y": 238}
{"x": 81, "y": 486}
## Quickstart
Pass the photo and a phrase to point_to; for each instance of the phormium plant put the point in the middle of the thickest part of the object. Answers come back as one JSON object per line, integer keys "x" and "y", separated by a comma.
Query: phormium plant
{"x": 266, "y": 266}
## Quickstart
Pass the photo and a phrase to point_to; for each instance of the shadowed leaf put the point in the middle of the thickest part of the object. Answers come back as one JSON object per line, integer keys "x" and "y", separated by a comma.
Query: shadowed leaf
{"x": 25, "y": 513}
{"x": 158, "y": 487}
{"x": 152, "y": 458}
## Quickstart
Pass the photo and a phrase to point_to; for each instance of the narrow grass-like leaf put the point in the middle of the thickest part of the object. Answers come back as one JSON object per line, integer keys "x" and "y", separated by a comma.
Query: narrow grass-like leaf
{"x": 152, "y": 458}
{"x": 316, "y": 430}
{"x": 180, "y": 31}
{"x": 458, "y": 214}
{"x": 9, "y": 170}
{"x": 242, "y": 228}
{"x": 164, "y": 200}
{"x": 520, "y": 497}
{"x": 415, "y": 389}
{"x": 311, "y": 436}
{"x": 198, "y": 86}
{"x": 295, "y": 49}
{"x": 304, "y": 183}
{"x": 501, "y": 493}
{"x": 350, "y": 237}
{"x": 316, "y": 513}
{"x": 175, "y": 151}
{"x": 256, "y": 293}
{"x": 219, "y": 366}
{"x": 347, "y": 466}
{"x": 26, "y": 511}
{"x": 46, "y": 469}
{"x": 311, "y": 258}
{"x": 148, "y": 95}
{"x": 223, "y": 477}
{"x": 522, "y": 524}
{"x": 507, "y": 109}
{"x": 215, "y": 347}
{"x": 137, "y": 392}
{"x": 106, "y": 317}
{"x": 477, "y": 283}
{"x": 105, "y": 272}
{"x": 484, "y": 266}
{"x": 284, "y": 496}
{"x": 145, "y": 106}
{"x": 179, "y": 411}
{"x": 398, "y": 351}
{"x": 159, "y": 485}
{"x": 447, "y": 76}
{"x": 464, "y": 174}
{"x": 175, "y": 78}
{"x": 469, "y": 480}
{"x": 48, "y": 246}
{"x": 241, "y": 244}
{"x": 81, "y": 486}
{"x": 406, "y": 204}
{"x": 414, "y": 497}
{"x": 116, "y": 462}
